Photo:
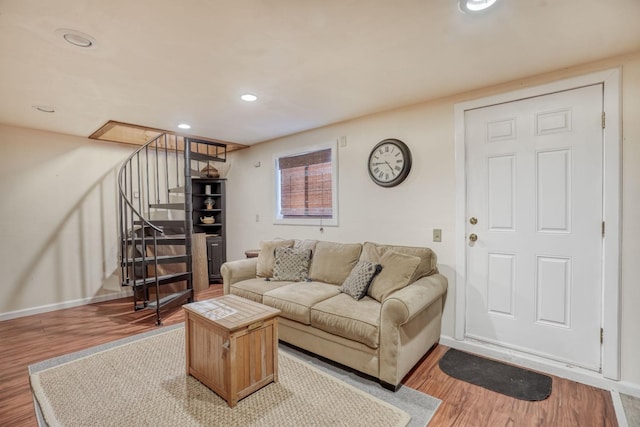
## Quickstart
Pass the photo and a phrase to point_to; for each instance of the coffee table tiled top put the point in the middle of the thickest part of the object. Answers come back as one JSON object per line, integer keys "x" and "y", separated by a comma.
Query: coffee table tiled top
{"x": 232, "y": 312}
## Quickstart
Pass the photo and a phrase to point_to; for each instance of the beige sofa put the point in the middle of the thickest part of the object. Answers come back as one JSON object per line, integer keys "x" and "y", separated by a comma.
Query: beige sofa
{"x": 383, "y": 334}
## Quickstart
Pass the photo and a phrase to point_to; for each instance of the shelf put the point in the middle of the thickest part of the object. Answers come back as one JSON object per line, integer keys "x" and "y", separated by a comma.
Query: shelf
{"x": 207, "y": 195}
{"x": 208, "y": 210}
{"x": 217, "y": 224}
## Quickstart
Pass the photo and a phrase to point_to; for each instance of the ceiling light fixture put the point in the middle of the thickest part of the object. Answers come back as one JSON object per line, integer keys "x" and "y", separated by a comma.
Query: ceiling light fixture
{"x": 249, "y": 97}
{"x": 44, "y": 108}
{"x": 76, "y": 38}
{"x": 475, "y": 6}
{"x": 184, "y": 126}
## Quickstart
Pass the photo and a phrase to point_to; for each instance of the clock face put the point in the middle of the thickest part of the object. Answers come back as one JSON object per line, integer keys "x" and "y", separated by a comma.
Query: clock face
{"x": 389, "y": 162}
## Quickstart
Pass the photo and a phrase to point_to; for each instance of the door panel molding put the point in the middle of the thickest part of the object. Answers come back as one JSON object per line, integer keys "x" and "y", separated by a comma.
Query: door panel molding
{"x": 612, "y": 199}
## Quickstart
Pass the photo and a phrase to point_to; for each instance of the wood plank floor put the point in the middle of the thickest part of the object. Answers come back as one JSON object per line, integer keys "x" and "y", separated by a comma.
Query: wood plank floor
{"x": 31, "y": 339}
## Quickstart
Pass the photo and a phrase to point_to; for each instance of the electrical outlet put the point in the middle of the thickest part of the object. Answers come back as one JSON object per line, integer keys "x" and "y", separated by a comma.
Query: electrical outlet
{"x": 437, "y": 235}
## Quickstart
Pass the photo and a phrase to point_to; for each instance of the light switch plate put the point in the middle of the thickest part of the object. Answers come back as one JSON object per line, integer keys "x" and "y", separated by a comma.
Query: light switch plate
{"x": 437, "y": 235}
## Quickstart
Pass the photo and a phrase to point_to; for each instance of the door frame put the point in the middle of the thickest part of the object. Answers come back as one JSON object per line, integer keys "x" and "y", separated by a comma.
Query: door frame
{"x": 610, "y": 360}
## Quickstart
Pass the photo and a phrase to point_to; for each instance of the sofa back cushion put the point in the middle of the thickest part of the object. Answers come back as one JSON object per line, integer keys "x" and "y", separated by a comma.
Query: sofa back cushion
{"x": 397, "y": 271}
{"x": 306, "y": 244}
{"x": 332, "y": 262}
{"x": 267, "y": 255}
{"x": 373, "y": 252}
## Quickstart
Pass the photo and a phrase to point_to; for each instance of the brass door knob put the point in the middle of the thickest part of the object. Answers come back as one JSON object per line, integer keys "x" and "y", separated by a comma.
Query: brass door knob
{"x": 473, "y": 237}
{"x": 473, "y": 220}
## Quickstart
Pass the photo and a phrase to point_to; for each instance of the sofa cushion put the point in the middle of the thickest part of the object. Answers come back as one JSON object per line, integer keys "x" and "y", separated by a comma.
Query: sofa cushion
{"x": 354, "y": 320}
{"x": 253, "y": 289}
{"x": 267, "y": 255}
{"x": 296, "y": 299}
{"x": 360, "y": 278}
{"x": 306, "y": 244}
{"x": 397, "y": 271}
{"x": 291, "y": 264}
{"x": 332, "y": 262}
{"x": 428, "y": 259}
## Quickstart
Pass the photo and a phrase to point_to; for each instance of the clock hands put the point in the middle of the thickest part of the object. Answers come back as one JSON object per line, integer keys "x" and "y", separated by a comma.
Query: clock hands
{"x": 393, "y": 172}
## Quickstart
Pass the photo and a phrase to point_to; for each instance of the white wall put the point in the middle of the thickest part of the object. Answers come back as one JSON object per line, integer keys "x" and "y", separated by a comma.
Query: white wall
{"x": 58, "y": 219}
{"x": 407, "y": 214}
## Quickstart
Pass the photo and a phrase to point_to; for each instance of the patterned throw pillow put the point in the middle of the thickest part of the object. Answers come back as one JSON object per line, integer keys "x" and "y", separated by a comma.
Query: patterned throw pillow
{"x": 267, "y": 255}
{"x": 360, "y": 278}
{"x": 291, "y": 264}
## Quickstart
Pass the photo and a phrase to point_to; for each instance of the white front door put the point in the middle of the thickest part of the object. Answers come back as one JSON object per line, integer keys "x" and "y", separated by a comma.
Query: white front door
{"x": 534, "y": 201}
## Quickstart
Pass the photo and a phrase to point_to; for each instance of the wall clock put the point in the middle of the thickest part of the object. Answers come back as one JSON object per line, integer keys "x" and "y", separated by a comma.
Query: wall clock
{"x": 389, "y": 162}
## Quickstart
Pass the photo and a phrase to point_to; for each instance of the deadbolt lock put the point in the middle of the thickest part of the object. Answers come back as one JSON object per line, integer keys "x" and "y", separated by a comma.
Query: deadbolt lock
{"x": 473, "y": 220}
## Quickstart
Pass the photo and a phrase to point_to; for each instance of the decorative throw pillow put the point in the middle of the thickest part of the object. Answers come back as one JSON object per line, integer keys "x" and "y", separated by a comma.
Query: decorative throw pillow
{"x": 291, "y": 264}
{"x": 397, "y": 271}
{"x": 360, "y": 278}
{"x": 267, "y": 256}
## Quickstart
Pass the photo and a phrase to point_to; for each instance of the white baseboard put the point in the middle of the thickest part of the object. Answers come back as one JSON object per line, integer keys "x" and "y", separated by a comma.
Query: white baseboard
{"x": 67, "y": 304}
{"x": 617, "y": 405}
{"x": 558, "y": 369}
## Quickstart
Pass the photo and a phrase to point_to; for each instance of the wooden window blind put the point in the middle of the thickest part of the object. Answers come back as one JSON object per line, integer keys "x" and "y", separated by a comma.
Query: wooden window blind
{"x": 305, "y": 185}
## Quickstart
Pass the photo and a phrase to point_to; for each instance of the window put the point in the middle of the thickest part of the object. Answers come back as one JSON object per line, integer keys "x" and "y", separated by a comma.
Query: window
{"x": 306, "y": 187}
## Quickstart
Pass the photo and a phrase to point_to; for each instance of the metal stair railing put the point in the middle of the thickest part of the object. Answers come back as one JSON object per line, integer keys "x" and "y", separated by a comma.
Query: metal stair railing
{"x": 145, "y": 181}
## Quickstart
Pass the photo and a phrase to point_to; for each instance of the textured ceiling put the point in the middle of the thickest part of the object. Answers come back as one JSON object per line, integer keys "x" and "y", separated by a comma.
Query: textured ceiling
{"x": 158, "y": 63}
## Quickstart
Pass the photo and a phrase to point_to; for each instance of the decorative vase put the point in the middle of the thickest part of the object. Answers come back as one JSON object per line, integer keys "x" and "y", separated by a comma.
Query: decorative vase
{"x": 209, "y": 202}
{"x": 211, "y": 172}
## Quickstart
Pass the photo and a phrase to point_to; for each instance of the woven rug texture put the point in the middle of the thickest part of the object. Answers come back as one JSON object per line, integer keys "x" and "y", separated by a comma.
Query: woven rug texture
{"x": 143, "y": 383}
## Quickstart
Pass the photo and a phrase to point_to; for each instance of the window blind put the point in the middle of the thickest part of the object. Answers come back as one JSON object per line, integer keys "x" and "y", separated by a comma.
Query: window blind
{"x": 305, "y": 185}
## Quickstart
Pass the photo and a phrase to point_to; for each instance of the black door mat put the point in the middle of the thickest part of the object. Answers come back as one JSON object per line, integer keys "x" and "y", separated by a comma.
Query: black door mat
{"x": 495, "y": 376}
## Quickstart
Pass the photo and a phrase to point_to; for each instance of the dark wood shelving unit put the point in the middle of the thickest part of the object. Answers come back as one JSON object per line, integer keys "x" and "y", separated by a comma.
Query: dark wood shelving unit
{"x": 216, "y": 232}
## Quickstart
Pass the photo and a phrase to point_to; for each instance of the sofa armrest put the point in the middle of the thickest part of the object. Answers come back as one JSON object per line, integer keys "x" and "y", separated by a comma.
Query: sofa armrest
{"x": 236, "y": 271}
{"x": 404, "y": 304}
{"x": 410, "y": 322}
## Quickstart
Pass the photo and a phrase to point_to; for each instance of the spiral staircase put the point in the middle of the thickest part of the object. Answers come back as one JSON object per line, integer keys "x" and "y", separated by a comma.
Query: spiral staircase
{"x": 156, "y": 221}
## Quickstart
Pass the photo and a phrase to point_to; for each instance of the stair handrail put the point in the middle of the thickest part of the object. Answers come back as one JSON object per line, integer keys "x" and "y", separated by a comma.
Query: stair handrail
{"x": 123, "y": 194}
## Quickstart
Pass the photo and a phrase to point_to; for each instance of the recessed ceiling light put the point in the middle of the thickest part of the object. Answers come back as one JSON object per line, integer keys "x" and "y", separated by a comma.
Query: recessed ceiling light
{"x": 44, "y": 108}
{"x": 76, "y": 38}
{"x": 249, "y": 97}
{"x": 474, "y": 6}
{"x": 184, "y": 126}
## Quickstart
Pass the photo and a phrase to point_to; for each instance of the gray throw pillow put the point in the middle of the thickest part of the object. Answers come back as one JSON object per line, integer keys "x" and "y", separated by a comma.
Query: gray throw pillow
{"x": 291, "y": 264}
{"x": 360, "y": 278}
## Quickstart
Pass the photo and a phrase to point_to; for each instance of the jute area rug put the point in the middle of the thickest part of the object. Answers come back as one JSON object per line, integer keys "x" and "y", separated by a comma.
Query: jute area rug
{"x": 142, "y": 382}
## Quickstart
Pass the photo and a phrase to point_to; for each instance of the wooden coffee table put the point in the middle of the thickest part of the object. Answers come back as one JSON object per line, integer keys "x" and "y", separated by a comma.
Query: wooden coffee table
{"x": 232, "y": 345}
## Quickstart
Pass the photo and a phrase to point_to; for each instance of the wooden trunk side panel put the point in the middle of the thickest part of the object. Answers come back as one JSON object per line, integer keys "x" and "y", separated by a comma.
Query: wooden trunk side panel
{"x": 208, "y": 360}
{"x": 255, "y": 357}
